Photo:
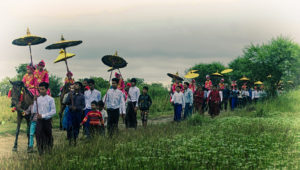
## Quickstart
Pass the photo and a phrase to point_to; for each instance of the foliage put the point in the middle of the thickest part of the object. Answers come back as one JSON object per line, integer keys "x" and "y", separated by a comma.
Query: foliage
{"x": 55, "y": 83}
{"x": 208, "y": 69}
{"x": 278, "y": 58}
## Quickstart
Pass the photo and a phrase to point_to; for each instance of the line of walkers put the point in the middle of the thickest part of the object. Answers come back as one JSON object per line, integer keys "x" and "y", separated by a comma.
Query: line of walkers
{"x": 189, "y": 98}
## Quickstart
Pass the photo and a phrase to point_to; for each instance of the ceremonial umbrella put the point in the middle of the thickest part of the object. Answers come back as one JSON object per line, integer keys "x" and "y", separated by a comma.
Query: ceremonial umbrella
{"x": 258, "y": 83}
{"x": 63, "y": 44}
{"x": 244, "y": 79}
{"x": 114, "y": 61}
{"x": 191, "y": 75}
{"x": 175, "y": 76}
{"x": 29, "y": 40}
{"x": 194, "y": 71}
{"x": 217, "y": 74}
{"x": 226, "y": 71}
{"x": 62, "y": 57}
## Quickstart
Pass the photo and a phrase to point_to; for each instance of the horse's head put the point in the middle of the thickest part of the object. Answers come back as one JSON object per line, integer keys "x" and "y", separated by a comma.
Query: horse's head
{"x": 16, "y": 91}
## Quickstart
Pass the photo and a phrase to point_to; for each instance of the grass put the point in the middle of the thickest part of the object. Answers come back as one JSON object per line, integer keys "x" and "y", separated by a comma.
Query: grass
{"x": 261, "y": 136}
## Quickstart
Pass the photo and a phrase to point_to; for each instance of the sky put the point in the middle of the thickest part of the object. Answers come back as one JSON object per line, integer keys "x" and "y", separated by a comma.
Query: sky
{"x": 155, "y": 37}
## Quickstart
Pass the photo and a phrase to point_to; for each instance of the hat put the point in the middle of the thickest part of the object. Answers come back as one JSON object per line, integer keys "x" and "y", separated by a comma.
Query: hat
{"x": 42, "y": 63}
{"x": 193, "y": 81}
{"x": 128, "y": 84}
{"x": 69, "y": 74}
{"x": 117, "y": 75}
{"x": 222, "y": 79}
{"x": 207, "y": 76}
{"x": 30, "y": 68}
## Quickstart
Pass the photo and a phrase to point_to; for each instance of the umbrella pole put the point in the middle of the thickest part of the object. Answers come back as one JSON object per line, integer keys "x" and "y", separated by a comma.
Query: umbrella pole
{"x": 66, "y": 60}
{"x": 29, "y": 45}
{"x": 108, "y": 85}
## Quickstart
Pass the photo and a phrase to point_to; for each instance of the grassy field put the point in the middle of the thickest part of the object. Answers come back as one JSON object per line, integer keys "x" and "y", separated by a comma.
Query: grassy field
{"x": 264, "y": 136}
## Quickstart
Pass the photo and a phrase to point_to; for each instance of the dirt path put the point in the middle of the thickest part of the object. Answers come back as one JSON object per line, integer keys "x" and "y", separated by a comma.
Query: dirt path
{"x": 7, "y": 140}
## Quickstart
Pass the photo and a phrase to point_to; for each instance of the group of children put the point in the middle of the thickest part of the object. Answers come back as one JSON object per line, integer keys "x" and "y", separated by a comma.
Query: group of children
{"x": 188, "y": 98}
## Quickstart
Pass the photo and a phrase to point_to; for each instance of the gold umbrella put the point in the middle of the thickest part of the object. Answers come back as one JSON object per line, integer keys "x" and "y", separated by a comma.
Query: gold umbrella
{"x": 227, "y": 71}
{"x": 194, "y": 71}
{"x": 191, "y": 75}
{"x": 175, "y": 76}
{"x": 63, "y": 44}
{"x": 29, "y": 40}
{"x": 244, "y": 78}
{"x": 217, "y": 74}
{"x": 62, "y": 57}
{"x": 258, "y": 83}
{"x": 269, "y": 76}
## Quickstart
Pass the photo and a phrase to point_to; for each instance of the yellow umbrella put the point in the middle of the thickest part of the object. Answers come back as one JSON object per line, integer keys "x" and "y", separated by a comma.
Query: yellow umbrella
{"x": 191, "y": 75}
{"x": 227, "y": 71}
{"x": 193, "y": 71}
{"x": 217, "y": 74}
{"x": 29, "y": 40}
{"x": 259, "y": 83}
{"x": 63, "y": 44}
{"x": 269, "y": 76}
{"x": 62, "y": 57}
{"x": 244, "y": 78}
{"x": 290, "y": 82}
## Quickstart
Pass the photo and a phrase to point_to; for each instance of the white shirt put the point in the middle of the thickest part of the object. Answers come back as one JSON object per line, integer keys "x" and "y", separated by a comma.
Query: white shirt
{"x": 134, "y": 94}
{"x": 46, "y": 106}
{"x": 114, "y": 99}
{"x": 178, "y": 98}
{"x": 104, "y": 116}
{"x": 188, "y": 96}
{"x": 255, "y": 94}
{"x": 245, "y": 93}
{"x": 91, "y": 95}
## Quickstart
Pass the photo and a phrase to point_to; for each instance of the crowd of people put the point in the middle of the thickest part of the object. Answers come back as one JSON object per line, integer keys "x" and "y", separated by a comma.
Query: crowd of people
{"x": 191, "y": 98}
{"x": 87, "y": 108}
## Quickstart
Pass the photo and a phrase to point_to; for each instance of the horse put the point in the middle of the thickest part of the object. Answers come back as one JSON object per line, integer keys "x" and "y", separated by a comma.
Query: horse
{"x": 65, "y": 90}
{"x": 21, "y": 103}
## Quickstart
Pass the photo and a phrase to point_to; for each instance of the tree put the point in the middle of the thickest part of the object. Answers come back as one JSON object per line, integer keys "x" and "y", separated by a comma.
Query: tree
{"x": 207, "y": 69}
{"x": 21, "y": 71}
{"x": 279, "y": 58}
{"x": 55, "y": 83}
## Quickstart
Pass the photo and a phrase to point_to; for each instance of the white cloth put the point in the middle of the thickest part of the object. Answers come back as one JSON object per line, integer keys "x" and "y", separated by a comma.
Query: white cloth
{"x": 46, "y": 106}
{"x": 114, "y": 100}
{"x": 188, "y": 96}
{"x": 91, "y": 95}
{"x": 178, "y": 98}
{"x": 221, "y": 95}
{"x": 255, "y": 94}
{"x": 134, "y": 94}
{"x": 104, "y": 116}
{"x": 245, "y": 93}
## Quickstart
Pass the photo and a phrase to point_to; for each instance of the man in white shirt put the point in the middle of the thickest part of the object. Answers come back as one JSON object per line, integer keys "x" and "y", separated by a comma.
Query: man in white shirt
{"x": 133, "y": 96}
{"x": 178, "y": 102}
{"x": 255, "y": 94}
{"x": 45, "y": 111}
{"x": 90, "y": 95}
{"x": 188, "y": 97}
{"x": 115, "y": 105}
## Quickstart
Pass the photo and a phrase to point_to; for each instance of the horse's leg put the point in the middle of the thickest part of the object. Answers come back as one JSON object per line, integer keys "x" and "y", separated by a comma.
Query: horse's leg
{"x": 19, "y": 120}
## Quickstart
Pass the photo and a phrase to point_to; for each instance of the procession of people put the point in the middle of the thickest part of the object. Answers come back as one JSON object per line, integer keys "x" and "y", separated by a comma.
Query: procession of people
{"x": 84, "y": 106}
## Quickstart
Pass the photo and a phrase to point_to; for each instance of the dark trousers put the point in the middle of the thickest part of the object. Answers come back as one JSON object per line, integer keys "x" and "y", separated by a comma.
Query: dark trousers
{"x": 214, "y": 108}
{"x": 177, "y": 112}
{"x": 113, "y": 120}
{"x": 130, "y": 118}
{"x": 44, "y": 138}
{"x": 225, "y": 104}
{"x": 87, "y": 123}
{"x": 187, "y": 110}
{"x": 74, "y": 119}
{"x": 96, "y": 130}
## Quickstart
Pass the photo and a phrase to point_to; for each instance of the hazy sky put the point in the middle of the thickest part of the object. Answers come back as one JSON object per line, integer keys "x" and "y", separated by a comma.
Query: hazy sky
{"x": 154, "y": 36}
